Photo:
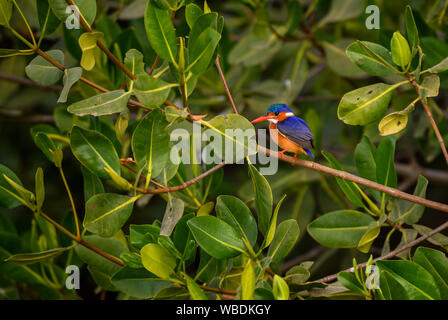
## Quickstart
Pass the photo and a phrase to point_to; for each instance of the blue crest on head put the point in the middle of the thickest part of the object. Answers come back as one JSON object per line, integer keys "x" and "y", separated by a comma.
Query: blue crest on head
{"x": 278, "y": 108}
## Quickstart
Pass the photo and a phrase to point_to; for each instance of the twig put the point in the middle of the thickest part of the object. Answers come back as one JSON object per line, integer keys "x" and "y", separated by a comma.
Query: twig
{"x": 154, "y": 65}
{"x": 430, "y": 117}
{"x": 28, "y": 82}
{"x": 229, "y": 95}
{"x": 390, "y": 254}
{"x": 304, "y": 257}
{"x": 351, "y": 177}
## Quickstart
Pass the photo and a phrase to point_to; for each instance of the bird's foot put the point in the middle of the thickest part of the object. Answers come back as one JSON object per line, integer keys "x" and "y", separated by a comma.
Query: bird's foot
{"x": 282, "y": 154}
{"x": 295, "y": 159}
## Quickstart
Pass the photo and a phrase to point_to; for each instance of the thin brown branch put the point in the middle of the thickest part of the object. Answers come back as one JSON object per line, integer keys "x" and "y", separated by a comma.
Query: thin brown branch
{"x": 392, "y": 253}
{"x": 351, "y": 177}
{"x": 433, "y": 175}
{"x": 304, "y": 257}
{"x": 185, "y": 184}
{"x": 217, "y": 290}
{"x": 221, "y": 74}
{"x": 154, "y": 65}
{"x": 430, "y": 117}
{"x": 28, "y": 82}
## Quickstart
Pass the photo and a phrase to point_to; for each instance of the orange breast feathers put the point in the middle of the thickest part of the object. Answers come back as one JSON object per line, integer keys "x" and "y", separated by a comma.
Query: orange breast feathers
{"x": 282, "y": 141}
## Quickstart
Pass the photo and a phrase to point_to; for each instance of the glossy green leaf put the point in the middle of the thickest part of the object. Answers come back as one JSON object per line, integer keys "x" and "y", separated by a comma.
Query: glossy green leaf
{"x": 393, "y": 123}
{"x": 46, "y": 17}
{"x": 71, "y": 76}
{"x": 88, "y": 42}
{"x": 348, "y": 280}
{"x": 87, "y": 8}
{"x": 401, "y": 54}
{"x": 106, "y": 213}
{"x": 436, "y": 263}
{"x": 298, "y": 274}
{"x": 9, "y": 197}
{"x": 150, "y": 91}
{"x": 418, "y": 283}
{"x": 192, "y": 13}
{"x": 347, "y": 187}
{"x": 140, "y": 235}
{"x": 340, "y": 229}
{"x": 216, "y": 237}
{"x": 235, "y": 212}
{"x": 91, "y": 183}
{"x": 248, "y": 282}
{"x": 94, "y": 151}
{"x": 101, "y": 104}
{"x": 183, "y": 239}
{"x": 132, "y": 260}
{"x": 376, "y": 61}
{"x": 365, "y": 105}
{"x": 151, "y": 144}
{"x": 391, "y": 288}
{"x": 437, "y": 239}
{"x": 29, "y": 258}
{"x": 40, "y": 188}
{"x": 280, "y": 288}
{"x": 273, "y": 225}
{"x": 411, "y": 28}
{"x": 202, "y": 50}
{"x": 158, "y": 260}
{"x": 42, "y": 71}
{"x": 138, "y": 283}
{"x": 195, "y": 291}
{"x": 367, "y": 239}
{"x": 365, "y": 155}
{"x": 45, "y": 144}
{"x": 5, "y": 12}
{"x": 284, "y": 240}
{"x": 263, "y": 199}
{"x": 160, "y": 32}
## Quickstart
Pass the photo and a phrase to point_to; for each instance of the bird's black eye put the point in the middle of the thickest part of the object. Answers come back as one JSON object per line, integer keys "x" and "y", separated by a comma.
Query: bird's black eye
{"x": 276, "y": 113}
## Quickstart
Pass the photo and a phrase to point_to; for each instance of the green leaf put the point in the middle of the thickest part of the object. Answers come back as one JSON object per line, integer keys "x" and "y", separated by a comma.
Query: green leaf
{"x": 349, "y": 280}
{"x": 298, "y": 274}
{"x": 112, "y": 246}
{"x": 151, "y": 144}
{"x": 45, "y": 144}
{"x": 393, "y": 123}
{"x": 411, "y": 28}
{"x": 342, "y": 10}
{"x": 376, "y": 61}
{"x": 195, "y": 291}
{"x": 401, "y": 54}
{"x": 88, "y": 42}
{"x": 367, "y": 239}
{"x": 173, "y": 213}
{"x": 150, "y": 91}
{"x": 440, "y": 67}
{"x": 29, "y": 258}
{"x": 437, "y": 239}
{"x": 365, "y": 105}
{"x": 42, "y": 71}
{"x": 183, "y": 239}
{"x": 391, "y": 288}
{"x": 365, "y": 155}
{"x": 273, "y": 224}
{"x": 101, "y": 104}
{"x": 347, "y": 187}
{"x": 160, "y": 32}
{"x": 263, "y": 199}
{"x": 138, "y": 283}
{"x": 284, "y": 240}
{"x": 410, "y": 212}
{"x": 40, "y": 188}
{"x": 436, "y": 263}
{"x": 86, "y": 7}
{"x": 47, "y": 17}
{"x": 338, "y": 60}
{"x": 216, "y": 237}
{"x": 429, "y": 87}
{"x": 235, "y": 212}
{"x": 340, "y": 229}
{"x": 91, "y": 183}
{"x": 248, "y": 282}
{"x": 280, "y": 288}
{"x": 192, "y": 13}
{"x": 134, "y": 62}
{"x": 106, "y": 213}
{"x": 9, "y": 197}
{"x": 140, "y": 235}
{"x": 5, "y": 12}
{"x": 385, "y": 167}
{"x": 202, "y": 50}
{"x": 418, "y": 283}
{"x": 132, "y": 260}
{"x": 71, "y": 76}
{"x": 158, "y": 260}
{"x": 94, "y": 151}
{"x": 167, "y": 4}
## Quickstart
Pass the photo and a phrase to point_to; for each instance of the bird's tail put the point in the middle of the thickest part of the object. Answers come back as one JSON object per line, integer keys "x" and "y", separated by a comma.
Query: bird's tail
{"x": 308, "y": 152}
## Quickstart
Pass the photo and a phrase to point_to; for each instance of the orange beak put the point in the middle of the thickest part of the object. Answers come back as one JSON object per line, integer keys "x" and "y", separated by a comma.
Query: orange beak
{"x": 262, "y": 118}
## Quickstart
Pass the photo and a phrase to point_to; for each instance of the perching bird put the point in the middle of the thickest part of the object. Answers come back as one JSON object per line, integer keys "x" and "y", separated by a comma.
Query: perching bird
{"x": 288, "y": 131}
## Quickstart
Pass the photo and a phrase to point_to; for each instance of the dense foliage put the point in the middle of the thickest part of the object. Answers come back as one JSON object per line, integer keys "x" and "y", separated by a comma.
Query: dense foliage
{"x": 90, "y": 98}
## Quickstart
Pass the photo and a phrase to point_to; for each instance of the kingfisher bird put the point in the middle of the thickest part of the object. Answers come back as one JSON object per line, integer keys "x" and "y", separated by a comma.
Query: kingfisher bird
{"x": 289, "y": 132}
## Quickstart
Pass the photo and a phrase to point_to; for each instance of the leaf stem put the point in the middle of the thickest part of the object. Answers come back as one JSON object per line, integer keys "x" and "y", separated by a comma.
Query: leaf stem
{"x": 72, "y": 203}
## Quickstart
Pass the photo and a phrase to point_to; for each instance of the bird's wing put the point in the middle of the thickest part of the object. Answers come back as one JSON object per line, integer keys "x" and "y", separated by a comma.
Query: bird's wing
{"x": 297, "y": 131}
